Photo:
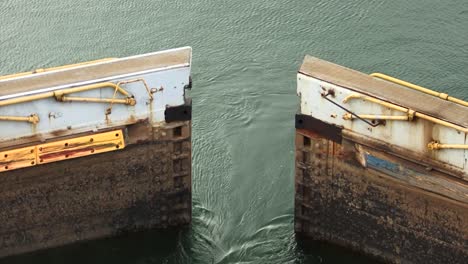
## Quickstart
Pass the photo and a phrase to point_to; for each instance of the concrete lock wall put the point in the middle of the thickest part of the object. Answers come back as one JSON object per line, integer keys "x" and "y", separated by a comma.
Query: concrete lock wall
{"x": 79, "y": 183}
{"x": 378, "y": 187}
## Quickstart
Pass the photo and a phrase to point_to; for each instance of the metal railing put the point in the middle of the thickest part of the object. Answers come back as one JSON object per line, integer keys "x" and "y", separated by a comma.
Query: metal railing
{"x": 419, "y": 88}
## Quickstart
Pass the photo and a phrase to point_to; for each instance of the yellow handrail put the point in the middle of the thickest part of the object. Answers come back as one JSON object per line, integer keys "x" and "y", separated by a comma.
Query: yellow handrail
{"x": 419, "y": 88}
{"x": 61, "y": 93}
{"x": 10, "y": 76}
{"x": 138, "y": 80}
{"x": 60, "y": 96}
{"x": 409, "y": 112}
{"x": 374, "y": 100}
{"x": 92, "y": 87}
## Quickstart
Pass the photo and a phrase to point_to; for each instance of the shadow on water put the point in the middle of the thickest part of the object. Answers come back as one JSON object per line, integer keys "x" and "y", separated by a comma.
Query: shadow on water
{"x": 153, "y": 246}
{"x": 312, "y": 251}
{"x": 168, "y": 246}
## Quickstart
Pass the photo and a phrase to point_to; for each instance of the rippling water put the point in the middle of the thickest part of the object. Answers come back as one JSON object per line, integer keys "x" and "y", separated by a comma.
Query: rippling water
{"x": 246, "y": 54}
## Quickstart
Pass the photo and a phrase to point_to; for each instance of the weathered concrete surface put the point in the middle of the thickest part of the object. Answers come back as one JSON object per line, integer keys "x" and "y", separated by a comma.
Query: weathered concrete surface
{"x": 340, "y": 201}
{"x": 146, "y": 185}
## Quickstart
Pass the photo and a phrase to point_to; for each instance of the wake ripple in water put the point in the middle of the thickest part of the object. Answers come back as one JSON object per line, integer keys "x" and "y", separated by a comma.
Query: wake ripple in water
{"x": 246, "y": 55}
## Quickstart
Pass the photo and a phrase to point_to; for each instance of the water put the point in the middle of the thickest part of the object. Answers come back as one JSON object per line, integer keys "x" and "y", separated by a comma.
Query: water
{"x": 246, "y": 54}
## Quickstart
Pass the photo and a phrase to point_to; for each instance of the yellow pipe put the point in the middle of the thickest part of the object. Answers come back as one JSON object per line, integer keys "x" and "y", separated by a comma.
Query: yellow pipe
{"x": 375, "y": 100}
{"x": 138, "y": 80}
{"x": 349, "y": 116}
{"x": 10, "y": 76}
{"x": 61, "y": 93}
{"x": 132, "y": 102}
{"x": 434, "y": 145}
{"x": 410, "y": 112}
{"x": 441, "y": 122}
{"x": 419, "y": 88}
{"x": 26, "y": 98}
{"x": 34, "y": 118}
{"x": 127, "y": 101}
{"x": 91, "y": 87}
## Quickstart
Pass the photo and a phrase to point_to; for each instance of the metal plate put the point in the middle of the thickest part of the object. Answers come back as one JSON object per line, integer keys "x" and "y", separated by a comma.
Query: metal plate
{"x": 79, "y": 147}
{"x": 61, "y": 150}
{"x": 17, "y": 158}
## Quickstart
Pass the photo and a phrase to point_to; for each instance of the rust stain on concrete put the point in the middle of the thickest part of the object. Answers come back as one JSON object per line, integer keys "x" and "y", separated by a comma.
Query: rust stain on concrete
{"x": 341, "y": 198}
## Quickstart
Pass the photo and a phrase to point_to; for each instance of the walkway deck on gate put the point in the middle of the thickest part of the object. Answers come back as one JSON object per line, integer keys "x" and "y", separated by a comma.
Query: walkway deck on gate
{"x": 396, "y": 94}
{"x": 172, "y": 58}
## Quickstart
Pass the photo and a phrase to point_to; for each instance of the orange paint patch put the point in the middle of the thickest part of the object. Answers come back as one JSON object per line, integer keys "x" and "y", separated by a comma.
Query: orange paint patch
{"x": 61, "y": 150}
{"x": 17, "y": 158}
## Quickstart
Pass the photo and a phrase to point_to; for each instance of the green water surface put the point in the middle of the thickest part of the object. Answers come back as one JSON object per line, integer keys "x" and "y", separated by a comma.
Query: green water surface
{"x": 246, "y": 55}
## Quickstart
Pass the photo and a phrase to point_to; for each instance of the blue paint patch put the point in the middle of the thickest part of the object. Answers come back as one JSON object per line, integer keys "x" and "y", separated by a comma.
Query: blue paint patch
{"x": 382, "y": 165}
{"x": 394, "y": 169}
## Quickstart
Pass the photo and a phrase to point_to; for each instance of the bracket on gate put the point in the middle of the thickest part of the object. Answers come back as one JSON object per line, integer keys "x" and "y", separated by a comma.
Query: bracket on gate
{"x": 408, "y": 117}
{"x": 435, "y": 145}
{"x": 349, "y": 112}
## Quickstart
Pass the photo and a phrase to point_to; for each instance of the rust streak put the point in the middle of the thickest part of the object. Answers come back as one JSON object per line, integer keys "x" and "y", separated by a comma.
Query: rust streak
{"x": 75, "y": 152}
